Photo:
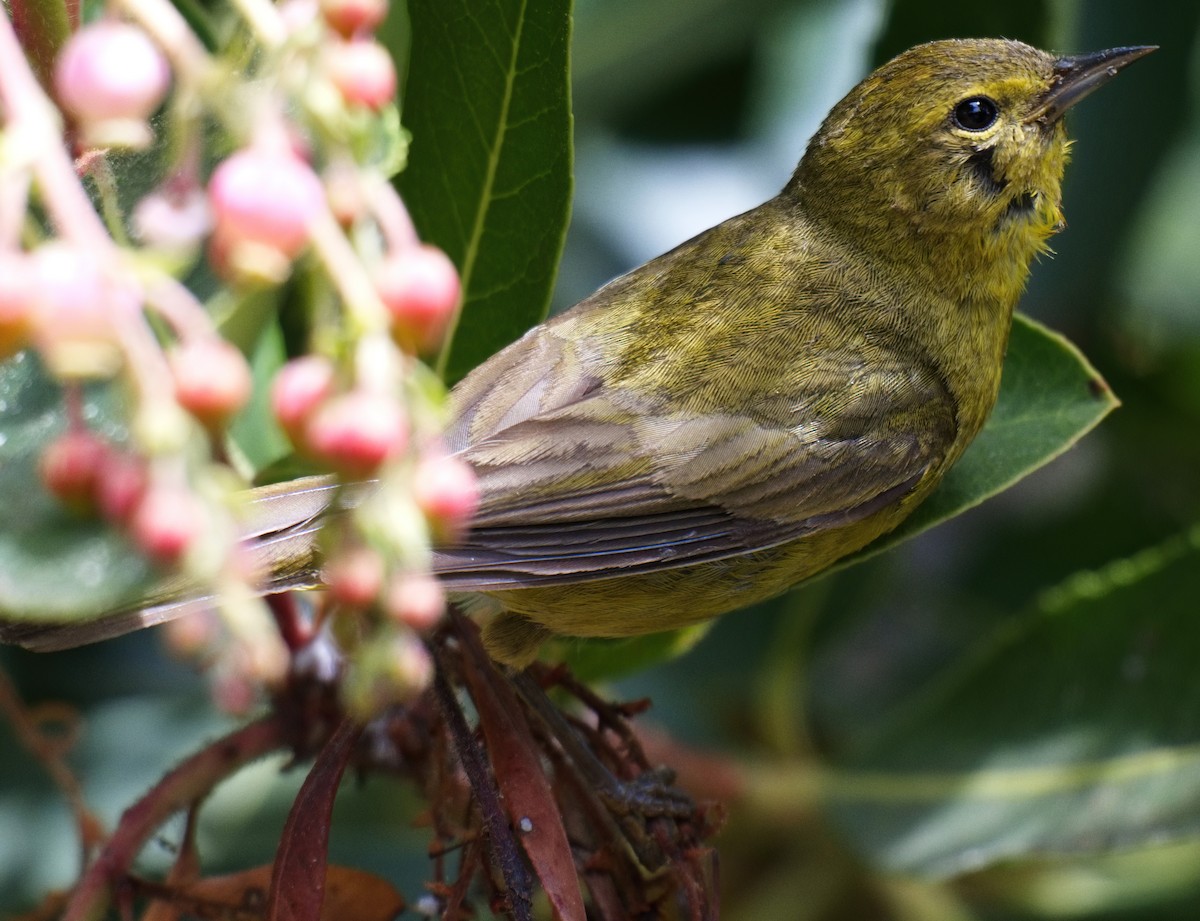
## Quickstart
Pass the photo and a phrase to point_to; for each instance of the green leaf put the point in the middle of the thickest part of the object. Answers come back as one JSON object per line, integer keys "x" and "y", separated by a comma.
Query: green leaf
{"x": 489, "y": 170}
{"x": 1073, "y": 729}
{"x": 255, "y": 436}
{"x": 55, "y": 565}
{"x": 1050, "y": 397}
{"x": 593, "y": 660}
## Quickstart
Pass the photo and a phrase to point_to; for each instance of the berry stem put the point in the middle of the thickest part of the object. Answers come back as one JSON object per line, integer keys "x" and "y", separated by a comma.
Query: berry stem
{"x": 264, "y": 20}
{"x": 32, "y": 117}
{"x": 170, "y": 30}
{"x": 395, "y": 222}
{"x": 172, "y": 301}
{"x": 346, "y": 270}
{"x": 101, "y": 171}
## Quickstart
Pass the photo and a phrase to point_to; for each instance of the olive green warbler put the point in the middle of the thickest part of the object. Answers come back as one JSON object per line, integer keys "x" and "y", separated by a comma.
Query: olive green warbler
{"x": 732, "y": 417}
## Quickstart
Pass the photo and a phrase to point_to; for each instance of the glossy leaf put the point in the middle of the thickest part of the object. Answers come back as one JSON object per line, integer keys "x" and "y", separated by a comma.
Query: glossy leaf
{"x": 1076, "y": 726}
{"x": 54, "y": 565}
{"x": 1050, "y": 397}
{"x": 255, "y": 436}
{"x": 489, "y": 172}
{"x": 525, "y": 790}
{"x": 299, "y": 875}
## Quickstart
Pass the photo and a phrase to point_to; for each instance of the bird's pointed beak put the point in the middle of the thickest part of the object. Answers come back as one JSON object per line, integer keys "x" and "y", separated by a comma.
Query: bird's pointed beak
{"x": 1079, "y": 75}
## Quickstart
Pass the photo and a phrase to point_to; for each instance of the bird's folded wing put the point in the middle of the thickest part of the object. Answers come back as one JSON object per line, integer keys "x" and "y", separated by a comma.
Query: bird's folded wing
{"x": 589, "y": 491}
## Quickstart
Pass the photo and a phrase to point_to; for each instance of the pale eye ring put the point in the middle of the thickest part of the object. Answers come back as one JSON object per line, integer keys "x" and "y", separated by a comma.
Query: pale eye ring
{"x": 976, "y": 114}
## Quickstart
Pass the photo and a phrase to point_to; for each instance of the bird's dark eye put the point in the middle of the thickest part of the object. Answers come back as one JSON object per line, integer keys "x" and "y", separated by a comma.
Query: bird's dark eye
{"x": 976, "y": 113}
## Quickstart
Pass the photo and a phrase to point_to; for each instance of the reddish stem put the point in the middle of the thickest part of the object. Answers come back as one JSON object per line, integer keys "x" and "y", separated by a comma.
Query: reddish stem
{"x": 189, "y": 782}
{"x": 287, "y": 618}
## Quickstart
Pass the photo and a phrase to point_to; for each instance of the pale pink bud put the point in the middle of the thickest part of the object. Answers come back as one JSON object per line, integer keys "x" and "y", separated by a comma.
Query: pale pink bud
{"x": 121, "y": 485}
{"x": 356, "y": 432}
{"x": 212, "y": 379}
{"x": 191, "y": 636}
{"x": 354, "y": 577}
{"x": 233, "y": 692}
{"x": 416, "y": 600}
{"x": 172, "y": 220}
{"x": 70, "y": 469}
{"x": 388, "y": 670}
{"x": 300, "y": 387}
{"x": 111, "y": 77}
{"x": 265, "y": 196}
{"x": 445, "y": 489}
{"x": 363, "y": 72}
{"x": 353, "y": 17}
{"x": 166, "y": 522}
{"x": 77, "y": 309}
{"x": 420, "y": 288}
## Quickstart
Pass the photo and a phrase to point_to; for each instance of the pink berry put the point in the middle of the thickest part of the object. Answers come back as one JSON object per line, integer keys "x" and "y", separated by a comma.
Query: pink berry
{"x": 355, "y": 577}
{"x": 353, "y": 17}
{"x": 356, "y": 432}
{"x": 363, "y": 72}
{"x": 420, "y": 288}
{"x": 447, "y": 492}
{"x": 212, "y": 379}
{"x": 233, "y": 692}
{"x": 112, "y": 77}
{"x": 300, "y": 387}
{"x": 191, "y": 636}
{"x": 77, "y": 309}
{"x": 120, "y": 487}
{"x": 267, "y": 197}
{"x": 172, "y": 219}
{"x": 416, "y": 600}
{"x": 16, "y": 302}
{"x": 166, "y": 522}
{"x": 70, "y": 468}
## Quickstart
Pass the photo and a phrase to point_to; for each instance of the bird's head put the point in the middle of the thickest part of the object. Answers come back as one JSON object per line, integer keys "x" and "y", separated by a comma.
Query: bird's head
{"x": 961, "y": 139}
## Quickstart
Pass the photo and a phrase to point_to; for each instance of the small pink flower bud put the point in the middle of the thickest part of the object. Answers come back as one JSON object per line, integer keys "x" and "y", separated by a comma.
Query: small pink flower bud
{"x": 300, "y": 387}
{"x": 420, "y": 288}
{"x": 120, "y": 487}
{"x": 356, "y": 432}
{"x": 344, "y": 190}
{"x": 445, "y": 489}
{"x": 112, "y": 77}
{"x": 191, "y": 636}
{"x": 212, "y": 380}
{"x": 363, "y": 72}
{"x": 16, "y": 302}
{"x": 172, "y": 220}
{"x": 353, "y": 17}
{"x": 265, "y": 196}
{"x": 390, "y": 669}
{"x": 77, "y": 310}
{"x": 416, "y": 600}
{"x": 70, "y": 469}
{"x": 233, "y": 692}
{"x": 166, "y": 522}
{"x": 354, "y": 577}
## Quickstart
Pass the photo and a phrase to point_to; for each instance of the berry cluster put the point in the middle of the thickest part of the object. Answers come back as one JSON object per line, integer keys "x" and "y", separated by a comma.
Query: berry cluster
{"x": 282, "y": 190}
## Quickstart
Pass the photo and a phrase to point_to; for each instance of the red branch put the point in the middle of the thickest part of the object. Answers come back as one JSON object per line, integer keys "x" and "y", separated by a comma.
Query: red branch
{"x": 190, "y": 781}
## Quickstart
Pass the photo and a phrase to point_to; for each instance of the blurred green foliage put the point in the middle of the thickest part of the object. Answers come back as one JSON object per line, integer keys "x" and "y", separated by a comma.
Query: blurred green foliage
{"x": 999, "y": 719}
